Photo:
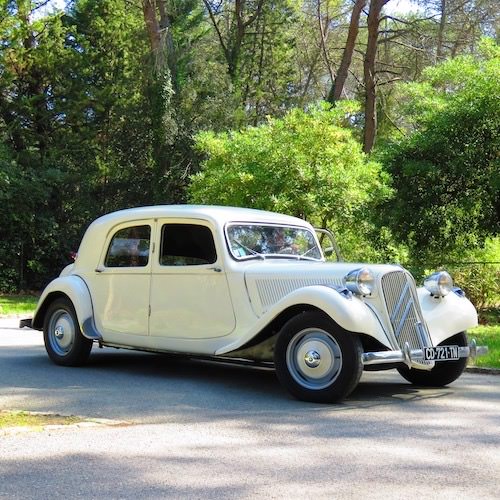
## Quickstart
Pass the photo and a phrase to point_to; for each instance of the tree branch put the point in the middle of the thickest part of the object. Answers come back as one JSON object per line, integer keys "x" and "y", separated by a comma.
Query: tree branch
{"x": 379, "y": 84}
{"x": 216, "y": 26}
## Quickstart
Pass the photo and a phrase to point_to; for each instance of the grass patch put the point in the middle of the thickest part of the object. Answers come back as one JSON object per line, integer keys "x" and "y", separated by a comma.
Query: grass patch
{"x": 17, "y": 304}
{"x": 487, "y": 335}
{"x": 9, "y": 419}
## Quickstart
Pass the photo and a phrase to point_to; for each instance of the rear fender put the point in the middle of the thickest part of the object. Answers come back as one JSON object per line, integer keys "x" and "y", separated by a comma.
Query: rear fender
{"x": 75, "y": 289}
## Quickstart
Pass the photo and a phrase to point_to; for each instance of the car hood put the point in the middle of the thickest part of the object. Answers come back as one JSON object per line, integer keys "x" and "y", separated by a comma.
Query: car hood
{"x": 270, "y": 281}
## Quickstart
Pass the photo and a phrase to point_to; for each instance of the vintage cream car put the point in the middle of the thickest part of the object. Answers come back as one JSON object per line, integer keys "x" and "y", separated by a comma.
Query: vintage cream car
{"x": 230, "y": 283}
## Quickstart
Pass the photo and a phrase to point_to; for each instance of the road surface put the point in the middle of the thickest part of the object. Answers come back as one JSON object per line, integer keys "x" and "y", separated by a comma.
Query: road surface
{"x": 202, "y": 430}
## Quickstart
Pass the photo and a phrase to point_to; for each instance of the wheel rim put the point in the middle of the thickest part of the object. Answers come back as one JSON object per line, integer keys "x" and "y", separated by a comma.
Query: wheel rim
{"x": 61, "y": 332}
{"x": 314, "y": 358}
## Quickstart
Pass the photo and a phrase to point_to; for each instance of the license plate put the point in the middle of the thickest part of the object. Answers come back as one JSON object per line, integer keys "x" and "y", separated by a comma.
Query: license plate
{"x": 441, "y": 353}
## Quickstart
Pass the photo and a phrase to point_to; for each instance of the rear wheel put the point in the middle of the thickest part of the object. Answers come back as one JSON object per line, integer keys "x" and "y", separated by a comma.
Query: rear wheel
{"x": 316, "y": 360}
{"x": 62, "y": 336}
{"x": 443, "y": 373}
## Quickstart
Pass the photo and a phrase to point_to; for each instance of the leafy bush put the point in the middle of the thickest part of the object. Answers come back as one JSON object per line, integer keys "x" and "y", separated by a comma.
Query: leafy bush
{"x": 446, "y": 172}
{"x": 481, "y": 282}
{"x": 306, "y": 164}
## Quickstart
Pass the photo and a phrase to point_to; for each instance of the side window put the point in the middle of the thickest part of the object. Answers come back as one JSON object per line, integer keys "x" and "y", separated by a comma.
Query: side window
{"x": 186, "y": 245}
{"x": 129, "y": 247}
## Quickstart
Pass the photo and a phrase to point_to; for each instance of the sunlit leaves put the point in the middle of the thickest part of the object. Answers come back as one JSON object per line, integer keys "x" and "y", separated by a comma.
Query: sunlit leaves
{"x": 306, "y": 164}
{"x": 447, "y": 173}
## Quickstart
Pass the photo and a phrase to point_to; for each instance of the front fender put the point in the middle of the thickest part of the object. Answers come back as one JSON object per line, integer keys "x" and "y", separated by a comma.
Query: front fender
{"x": 350, "y": 313}
{"x": 76, "y": 290}
{"x": 446, "y": 316}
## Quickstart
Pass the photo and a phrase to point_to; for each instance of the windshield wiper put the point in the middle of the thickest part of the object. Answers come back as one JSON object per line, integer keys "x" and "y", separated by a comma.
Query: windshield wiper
{"x": 293, "y": 256}
{"x": 304, "y": 255}
{"x": 253, "y": 252}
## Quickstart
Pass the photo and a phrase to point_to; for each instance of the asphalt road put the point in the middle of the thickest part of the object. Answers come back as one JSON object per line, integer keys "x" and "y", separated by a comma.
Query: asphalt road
{"x": 203, "y": 430}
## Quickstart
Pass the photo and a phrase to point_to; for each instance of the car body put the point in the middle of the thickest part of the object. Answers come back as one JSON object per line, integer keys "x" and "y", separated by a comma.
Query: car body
{"x": 242, "y": 284}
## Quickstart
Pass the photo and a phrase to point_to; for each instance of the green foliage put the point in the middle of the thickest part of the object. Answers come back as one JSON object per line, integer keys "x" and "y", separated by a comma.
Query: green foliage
{"x": 305, "y": 164}
{"x": 30, "y": 172}
{"x": 479, "y": 276}
{"x": 447, "y": 172}
{"x": 91, "y": 121}
{"x": 268, "y": 76}
{"x": 83, "y": 128}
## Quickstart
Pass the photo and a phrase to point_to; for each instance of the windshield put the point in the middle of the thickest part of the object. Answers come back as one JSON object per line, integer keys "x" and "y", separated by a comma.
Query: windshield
{"x": 262, "y": 241}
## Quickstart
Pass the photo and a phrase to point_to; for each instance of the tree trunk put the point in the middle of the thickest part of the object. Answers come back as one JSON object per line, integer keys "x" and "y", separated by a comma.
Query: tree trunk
{"x": 442, "y": 24}
{"x": 370, "y": 131}
{"x": 167, "y": 38}
{"x": 338, "y": 85}
{"x": 152, "y": 24}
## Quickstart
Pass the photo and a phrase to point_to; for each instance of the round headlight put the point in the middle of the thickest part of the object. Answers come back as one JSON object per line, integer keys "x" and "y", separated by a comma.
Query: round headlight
{"x": 439, "y": 284}
{"x": 360, "y": 281}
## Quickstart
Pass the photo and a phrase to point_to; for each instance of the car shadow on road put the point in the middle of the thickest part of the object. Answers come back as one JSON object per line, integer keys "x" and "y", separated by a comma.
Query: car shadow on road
{"x": 144, "y": 387}
{"x": 259, "y": 381}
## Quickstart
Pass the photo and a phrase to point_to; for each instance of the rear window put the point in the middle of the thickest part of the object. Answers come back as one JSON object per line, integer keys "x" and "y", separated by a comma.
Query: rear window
{"x": 129, "y": 247}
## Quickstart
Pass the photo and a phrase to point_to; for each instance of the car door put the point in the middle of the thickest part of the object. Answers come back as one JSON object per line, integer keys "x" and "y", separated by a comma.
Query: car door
{"x": 120, "y": 287}
{"x": 190, "y": 296}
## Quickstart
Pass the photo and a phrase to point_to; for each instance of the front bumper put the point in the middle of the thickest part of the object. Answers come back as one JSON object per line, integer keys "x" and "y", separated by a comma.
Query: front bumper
{"x": 411, "y": 357}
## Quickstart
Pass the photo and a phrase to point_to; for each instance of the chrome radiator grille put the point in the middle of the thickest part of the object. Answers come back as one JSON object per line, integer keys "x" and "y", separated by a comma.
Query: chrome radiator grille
{"x": 403, "y": 310}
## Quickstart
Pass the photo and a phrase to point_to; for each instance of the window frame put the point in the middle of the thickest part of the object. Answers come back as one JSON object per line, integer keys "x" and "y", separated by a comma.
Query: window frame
{"x": 269, "y": 256}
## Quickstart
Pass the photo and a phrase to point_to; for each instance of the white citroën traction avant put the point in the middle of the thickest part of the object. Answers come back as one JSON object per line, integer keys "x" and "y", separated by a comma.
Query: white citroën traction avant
{"x": 241, "y": 284}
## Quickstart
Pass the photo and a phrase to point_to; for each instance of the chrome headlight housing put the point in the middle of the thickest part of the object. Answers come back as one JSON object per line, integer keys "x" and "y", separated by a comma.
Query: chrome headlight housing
{"x": 360, "y": 281}
{"x": 439, "y": 284}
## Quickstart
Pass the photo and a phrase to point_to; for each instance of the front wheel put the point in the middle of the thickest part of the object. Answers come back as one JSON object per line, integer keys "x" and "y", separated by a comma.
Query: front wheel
{"x": 316, "y": 360}
{"x": 443, "y": 373}
{"x": 63, "y": 339}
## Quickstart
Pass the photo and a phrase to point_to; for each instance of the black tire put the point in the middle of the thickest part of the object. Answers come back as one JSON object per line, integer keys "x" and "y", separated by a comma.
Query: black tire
{"x": 62, "y": 336}
{"x": 316, "y": 360}
{"x": 443, "y": 373}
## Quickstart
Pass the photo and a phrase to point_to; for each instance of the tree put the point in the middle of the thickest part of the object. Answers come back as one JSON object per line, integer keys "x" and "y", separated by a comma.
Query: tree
{"x": 457, "y": 25}
{"x": 257, "y": 41}
{"x": 446, "y": 171}
{"x": 338, "y": 85}
{"x": 305, "y": 164}
{"x": 232, "y": 21}
{"x": 74, "y": 127}
{"x": 31, "y": 53}
{"x": 370, "y": 129}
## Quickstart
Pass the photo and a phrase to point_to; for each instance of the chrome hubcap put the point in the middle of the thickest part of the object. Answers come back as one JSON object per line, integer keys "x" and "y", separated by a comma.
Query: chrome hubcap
{"x": 61, "y": 332}
{"x": 312, "y": 359}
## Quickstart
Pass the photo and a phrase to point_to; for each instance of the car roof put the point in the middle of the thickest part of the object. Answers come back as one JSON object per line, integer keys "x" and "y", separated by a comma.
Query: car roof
{"x": 91, "y": 244}
{"x": 217, "y": 214}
